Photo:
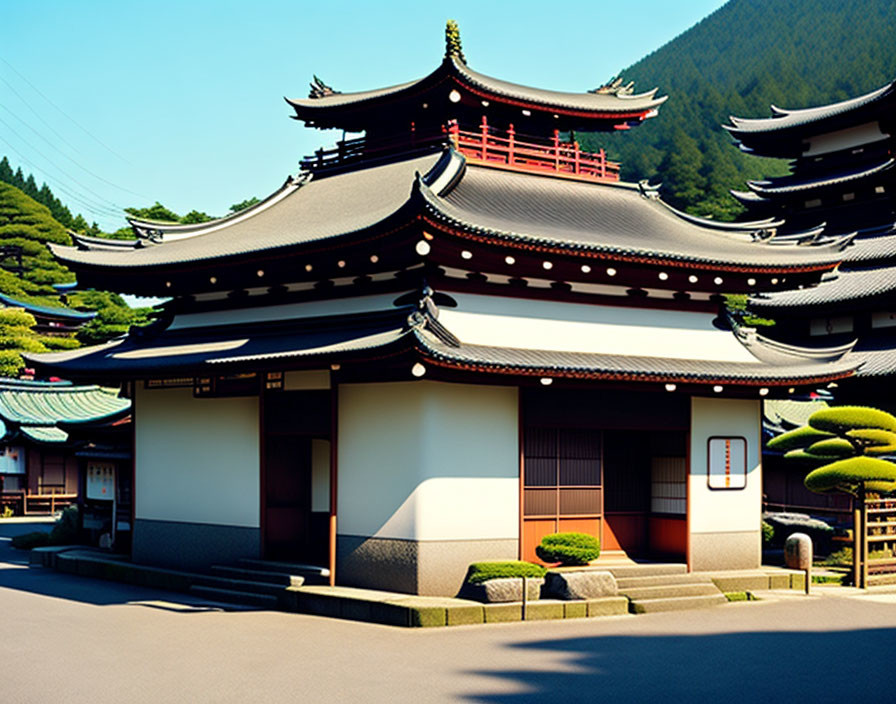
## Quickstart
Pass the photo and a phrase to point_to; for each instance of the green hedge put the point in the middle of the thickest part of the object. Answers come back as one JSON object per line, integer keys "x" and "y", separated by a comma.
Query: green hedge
{"x": 568, "y": 548}
{"x": 767, "y": 533}
{"x": 480, "y": 572}
{"x": 797, "y": 439}
{"x": 834, "y": 447}
{"x": 842, "y": 418}
{"x": 847, "y": 475}
{"x": 64, "y": 532}
{"x": 27, "y": 541}
{"x": 876, "y": 442}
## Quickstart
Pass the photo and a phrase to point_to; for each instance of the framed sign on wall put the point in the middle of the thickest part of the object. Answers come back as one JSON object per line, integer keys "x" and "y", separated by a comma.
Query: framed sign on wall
{"x": 727, "y": 463}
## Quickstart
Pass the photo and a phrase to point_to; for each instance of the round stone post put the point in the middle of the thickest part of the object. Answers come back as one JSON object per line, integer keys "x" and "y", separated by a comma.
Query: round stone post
{"x": 798, "y": 555}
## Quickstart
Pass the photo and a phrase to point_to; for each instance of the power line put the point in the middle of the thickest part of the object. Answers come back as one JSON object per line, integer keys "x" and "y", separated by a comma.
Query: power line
{"x": 74, "y": 161}
{"x": 102, "y": 199}
{"x": 102, "y": 211}
{"x": 69, "y": 117}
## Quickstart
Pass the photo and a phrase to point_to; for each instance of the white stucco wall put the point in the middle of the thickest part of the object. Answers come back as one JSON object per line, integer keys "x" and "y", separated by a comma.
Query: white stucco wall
{"x": 428, "y": 461}
{"x": 197, "y": 460}
{"x": 725, "y": 510}
{"x": 575, "y": 327}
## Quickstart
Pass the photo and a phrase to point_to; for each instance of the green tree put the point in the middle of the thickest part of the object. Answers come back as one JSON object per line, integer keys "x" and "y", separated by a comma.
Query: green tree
{"x": 683, "y": 184}
{"x": 157, "y": 212}
{"x": 242, "y": 205}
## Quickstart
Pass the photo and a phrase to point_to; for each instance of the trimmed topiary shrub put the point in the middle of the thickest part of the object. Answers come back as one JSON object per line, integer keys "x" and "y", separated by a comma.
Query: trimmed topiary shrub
{"x": 797, "y": 439}
{"x": 831, "y": 448}
{"x": 768, "y": 533}
{"x": 836, "y": 420}
{"x": 848, "y": 475}
{"x": 480, "y": 572}
{"x": 568, "y": 548}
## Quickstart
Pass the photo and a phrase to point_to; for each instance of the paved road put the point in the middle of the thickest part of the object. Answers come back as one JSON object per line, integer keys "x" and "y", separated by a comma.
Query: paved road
{"x": 72, "y": 640}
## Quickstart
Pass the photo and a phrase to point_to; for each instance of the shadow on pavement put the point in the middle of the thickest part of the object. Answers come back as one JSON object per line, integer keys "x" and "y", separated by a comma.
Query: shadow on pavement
{"x": 755, "y": 667}
{"x": 15, "y": 574}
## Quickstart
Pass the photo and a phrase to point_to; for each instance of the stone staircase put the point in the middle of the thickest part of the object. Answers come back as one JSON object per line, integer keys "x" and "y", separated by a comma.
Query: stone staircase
{"x": 257, "y": 583}
{"x": 665, "y": 587}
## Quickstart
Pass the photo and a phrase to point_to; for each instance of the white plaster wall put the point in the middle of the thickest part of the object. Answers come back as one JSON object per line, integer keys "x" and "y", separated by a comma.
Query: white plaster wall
{"x": 428, "y": 461}
{"x": 845, "y": 139}
{"x": 197, "y": 460}
{"x": 728, "y": 510}
{"x": 574, "y": 327}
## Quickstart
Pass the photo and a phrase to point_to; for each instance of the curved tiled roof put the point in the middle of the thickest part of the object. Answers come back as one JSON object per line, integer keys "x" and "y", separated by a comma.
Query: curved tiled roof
{"x": 847, "y": 285}
{"x": 456, "y": 70}
{"x": 45, "y": 405}
{"x": 784, "y": 119}
{"x": 614, "y": 219}
{"x": 800, "y": 184}
{"x": 49, "y": 311}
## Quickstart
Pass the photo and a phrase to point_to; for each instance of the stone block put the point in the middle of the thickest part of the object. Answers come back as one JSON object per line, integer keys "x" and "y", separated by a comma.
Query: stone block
{"x": 798, "y": 581}
{"x": 740, "y": 582}
{"x": 779, "y": 581}
{"x": 464, "y": 615}
{"x": 575, "y": 609}
{"x": 798, "y": 551}
{"x": 503, "y": 590}
{"x": 544, "y": 610}
{"x": 608, "y": 606}
{"x": 354, "y": 610}
{"x": 427, "y": 616}
{"x": 389, "y": 614}
{"x": 591, "y": 584}
{"x": 503, "y": 613}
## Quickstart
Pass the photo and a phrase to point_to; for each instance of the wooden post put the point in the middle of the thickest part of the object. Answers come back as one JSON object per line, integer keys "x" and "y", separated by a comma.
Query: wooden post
{"x": 864, "y": 539}
{"x": 856, "y": 540}
{"x": 483, "y": 128}
{"x": 334, "y": 476}
{"x": 602, "y": 156}
{"x": 525, "y": 599}
{"x": 577, "y": 157}
{"x": 511, "y": 133}
{"x": 556, "y": 150}
{"x": 454, "y": 133}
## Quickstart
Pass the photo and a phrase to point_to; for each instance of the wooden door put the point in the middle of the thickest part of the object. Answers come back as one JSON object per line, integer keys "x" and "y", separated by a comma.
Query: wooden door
{"x": 287, "y": 489}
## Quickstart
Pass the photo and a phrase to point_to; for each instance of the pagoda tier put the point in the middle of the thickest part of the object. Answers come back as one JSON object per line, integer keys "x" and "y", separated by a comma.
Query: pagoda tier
{"x": 453, "y": 91}
{"x": 471, "y": 222}
{"x": 450, "y": 337}
{"x": 825, "y": 129}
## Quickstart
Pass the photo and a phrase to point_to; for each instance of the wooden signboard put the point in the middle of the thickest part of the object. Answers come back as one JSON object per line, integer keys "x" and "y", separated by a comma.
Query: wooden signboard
{"x": 727, "y": 463}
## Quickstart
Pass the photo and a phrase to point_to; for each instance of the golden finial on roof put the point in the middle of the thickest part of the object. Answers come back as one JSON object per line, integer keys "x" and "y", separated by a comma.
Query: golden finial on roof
{"x": 453, "y": 46}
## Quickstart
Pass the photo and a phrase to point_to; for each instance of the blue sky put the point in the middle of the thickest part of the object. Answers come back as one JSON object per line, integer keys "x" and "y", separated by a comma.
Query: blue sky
{"x": 118, "y": 103}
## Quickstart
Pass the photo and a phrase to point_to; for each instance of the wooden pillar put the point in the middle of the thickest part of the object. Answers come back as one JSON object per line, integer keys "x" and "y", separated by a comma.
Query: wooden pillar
{"x": 557, "y": 150}
{"x": 602, "y": 157}
{"x": 578, "y": 156}
{"x": 511, "y": 133}
{"x": 864, "y": 509}
{"x": 454, "y": 133}
{"x": 334, "y": 476}
{"x": 483, "y": 128}
{"x": 857, "y": 540}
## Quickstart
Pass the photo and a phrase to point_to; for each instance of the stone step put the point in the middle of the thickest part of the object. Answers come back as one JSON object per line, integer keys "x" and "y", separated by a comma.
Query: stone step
{"x": 662, "y": 580}
{"x": 670, "y": 590}
{"x": 646, "y": 570}
{"x": 242, "y": 585}
{"x": 233, "y": 596}
{"x": 681, "y": 603}
{"x": 283, "y": 578}
{"x": 312, "y": 573}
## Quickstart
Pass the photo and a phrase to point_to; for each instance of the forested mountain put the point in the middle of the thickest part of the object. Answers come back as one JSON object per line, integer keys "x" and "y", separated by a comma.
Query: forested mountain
{"x": 30, "y": 225}
{"x": 737, "y": 61}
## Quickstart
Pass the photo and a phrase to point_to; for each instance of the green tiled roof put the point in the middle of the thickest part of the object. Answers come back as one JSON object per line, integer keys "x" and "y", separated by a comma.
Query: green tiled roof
{"x": 43, "y": 433}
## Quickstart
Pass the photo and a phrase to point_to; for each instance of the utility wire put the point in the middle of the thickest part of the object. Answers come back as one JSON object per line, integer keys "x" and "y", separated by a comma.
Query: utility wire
{"x": 97, "y": 210}
{"x": 69, "y": 117}
{"x": 74, "y": 161}
{"x": 101, "y": 199}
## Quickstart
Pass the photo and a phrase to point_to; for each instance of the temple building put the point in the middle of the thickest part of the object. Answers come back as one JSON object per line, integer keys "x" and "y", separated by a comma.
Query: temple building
{"x": 445, "y": 339}
{"x": 54, "y": 437}
{"x": 842, "y": 184}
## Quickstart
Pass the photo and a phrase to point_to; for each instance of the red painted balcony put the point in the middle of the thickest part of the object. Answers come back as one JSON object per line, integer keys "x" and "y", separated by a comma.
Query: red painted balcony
{"x": 487, "y": 145}
{"x": 506, "y": 149}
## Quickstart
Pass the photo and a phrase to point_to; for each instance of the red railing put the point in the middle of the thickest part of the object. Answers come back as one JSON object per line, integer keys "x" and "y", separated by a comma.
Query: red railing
{"x": 526, "y": 153}
{"x": 487, "y": 145}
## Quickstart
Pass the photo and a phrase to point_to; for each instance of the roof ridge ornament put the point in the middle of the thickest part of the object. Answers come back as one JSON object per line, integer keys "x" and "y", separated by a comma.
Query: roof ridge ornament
{"x": 319, "y": 89}
{"x": 615, "y": 87}
{"x": 453, "y": 46}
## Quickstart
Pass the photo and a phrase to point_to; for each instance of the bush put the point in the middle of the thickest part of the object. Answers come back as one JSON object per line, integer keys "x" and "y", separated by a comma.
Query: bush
{"x": 26, "y": 541}
{"x": 768, "y": 533}
{"x": 569, "y": 548}
{"x": 785, "y": 524}
{"x": 480, "y": 572}
{"x": 797, "y": 439}
{"x": 64, "y": 532}
{"x": 842, "y": 418}
{"x": 847, "y": 475}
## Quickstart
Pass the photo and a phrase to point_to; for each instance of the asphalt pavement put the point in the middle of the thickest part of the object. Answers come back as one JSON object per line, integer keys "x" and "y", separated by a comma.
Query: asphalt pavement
{"x": 71, "y": 640}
